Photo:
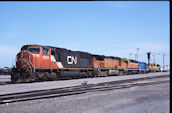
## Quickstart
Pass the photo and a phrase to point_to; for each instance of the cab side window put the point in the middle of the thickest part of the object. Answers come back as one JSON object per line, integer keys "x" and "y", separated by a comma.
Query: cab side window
{"x": 56, "y": 55}
{"x": 52, "y": 53}
{"x": 45, "y": 51}
{"x": 24, "y": 49}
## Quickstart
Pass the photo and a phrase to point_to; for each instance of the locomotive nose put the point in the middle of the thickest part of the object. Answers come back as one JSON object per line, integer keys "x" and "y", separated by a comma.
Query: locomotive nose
{"x": 21, "y": 55}
{"x": 22, "y": 60}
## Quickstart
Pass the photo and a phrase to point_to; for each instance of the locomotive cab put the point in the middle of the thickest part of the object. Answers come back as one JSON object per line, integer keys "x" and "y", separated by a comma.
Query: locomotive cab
{"x": 27, "y": 56}
{"x": 33, "y": 59}
{"x": 37, "y": 57}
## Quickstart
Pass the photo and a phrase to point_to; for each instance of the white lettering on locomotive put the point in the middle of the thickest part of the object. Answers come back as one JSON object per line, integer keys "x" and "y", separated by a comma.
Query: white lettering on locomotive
{"x": 45, "y": 57}
{"x": 71, "y": 60}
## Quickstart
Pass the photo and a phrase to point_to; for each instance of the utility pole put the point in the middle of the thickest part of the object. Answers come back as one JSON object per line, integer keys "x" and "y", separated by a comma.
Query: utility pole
{"x": 148, "y": 53}
{"x": 12, "y": 63}
{"x": 163, "y": 55}
{"x": 154, "y": 58}
{"x": 130, "y": 55}
{"x": 163, "y": 61}
{"x": 136, "y": 56}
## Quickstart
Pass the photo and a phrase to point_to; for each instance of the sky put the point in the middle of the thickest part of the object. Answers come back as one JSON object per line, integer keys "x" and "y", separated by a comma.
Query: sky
{"x": 111, "y": 28}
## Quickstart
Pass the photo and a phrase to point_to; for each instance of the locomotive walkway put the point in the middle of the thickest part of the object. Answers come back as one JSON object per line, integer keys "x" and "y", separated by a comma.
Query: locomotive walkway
{"x": 26, "y": 87}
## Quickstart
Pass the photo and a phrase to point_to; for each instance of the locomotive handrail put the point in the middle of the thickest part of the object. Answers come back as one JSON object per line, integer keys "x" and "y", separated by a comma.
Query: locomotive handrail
{"x": 25, "y": 60}
{"x": 31, "y": 63}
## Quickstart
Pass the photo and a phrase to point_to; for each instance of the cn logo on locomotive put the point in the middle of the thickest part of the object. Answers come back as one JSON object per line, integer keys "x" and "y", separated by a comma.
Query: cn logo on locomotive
{"x": 71, "y": 60}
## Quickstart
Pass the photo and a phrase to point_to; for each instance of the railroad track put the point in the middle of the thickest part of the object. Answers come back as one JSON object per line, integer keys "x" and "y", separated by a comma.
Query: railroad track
{"x": 11, "y": 83}
{"x": 41, "y": 94}
{"x": 5, "y": 83}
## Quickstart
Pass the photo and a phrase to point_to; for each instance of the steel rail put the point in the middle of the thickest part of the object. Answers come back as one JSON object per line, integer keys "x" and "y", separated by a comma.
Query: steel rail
{"x": 11, "y": 83}
{"x": 75, "y": 92}
{"x": 16, "y": 97}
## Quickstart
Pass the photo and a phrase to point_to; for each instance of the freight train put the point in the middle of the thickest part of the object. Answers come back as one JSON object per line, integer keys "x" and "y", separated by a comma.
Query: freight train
{"x": 41, "y": 63}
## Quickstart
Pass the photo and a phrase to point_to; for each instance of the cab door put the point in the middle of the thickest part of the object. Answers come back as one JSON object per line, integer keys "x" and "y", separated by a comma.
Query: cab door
{"x": 45, "y": 61}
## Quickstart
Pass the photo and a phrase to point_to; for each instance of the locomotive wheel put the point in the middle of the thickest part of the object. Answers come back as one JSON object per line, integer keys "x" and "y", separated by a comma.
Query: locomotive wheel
{"x": 122, "y": 73}
{"x": 86, "y": 74}
{"x": 27, "y": 80}
{"x": 16, "y": 78}
{"x": 46, "y": 76}
{"x": 53, "y": 76}
{"x": 39, "y": 76}
{"x": 19, "y": 81}
{"x": 57, "y": 75}
{"x": 19, "y": 78}
{"x": 83, "y": 75}
{"x": 119, "y": 73}
{"x": 26, "y": 77}
{"x": 90, "y": 74}
{"x": 97, "y": 72}
{"x": 13, "y": 77}
{"x": 106, "y": 73}
{"x": 130, "y": 73}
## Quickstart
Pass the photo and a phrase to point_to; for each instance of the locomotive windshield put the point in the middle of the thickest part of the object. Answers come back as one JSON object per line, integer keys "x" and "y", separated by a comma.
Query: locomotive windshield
{"x": 24, "y": 49}
{"x": 34, "y": 50}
